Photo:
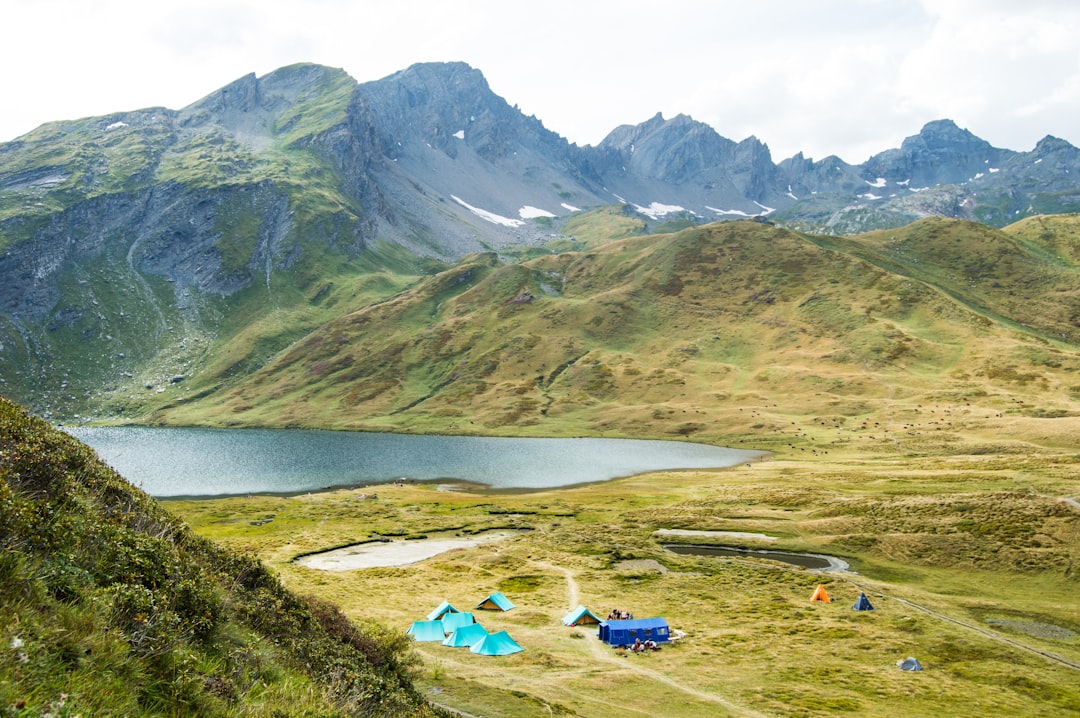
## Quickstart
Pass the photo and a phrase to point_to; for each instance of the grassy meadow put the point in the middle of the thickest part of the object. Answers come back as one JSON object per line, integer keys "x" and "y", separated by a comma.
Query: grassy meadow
{"x": 969, "y": 559}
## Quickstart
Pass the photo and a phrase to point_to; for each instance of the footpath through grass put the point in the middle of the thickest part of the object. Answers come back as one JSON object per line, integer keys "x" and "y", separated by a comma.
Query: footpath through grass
{"x": 968, "y": 561}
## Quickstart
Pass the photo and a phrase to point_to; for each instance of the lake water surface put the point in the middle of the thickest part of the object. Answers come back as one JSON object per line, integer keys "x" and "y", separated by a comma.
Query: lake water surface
{"x": 217, "y": 462}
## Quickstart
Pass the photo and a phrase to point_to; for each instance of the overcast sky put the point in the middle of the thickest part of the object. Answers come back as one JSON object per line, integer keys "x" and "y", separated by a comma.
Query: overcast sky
{"x": 843, "y": 77}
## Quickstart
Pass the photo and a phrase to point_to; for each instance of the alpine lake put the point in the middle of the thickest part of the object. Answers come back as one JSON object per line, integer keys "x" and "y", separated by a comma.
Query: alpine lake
{"x": 203, "y": 462}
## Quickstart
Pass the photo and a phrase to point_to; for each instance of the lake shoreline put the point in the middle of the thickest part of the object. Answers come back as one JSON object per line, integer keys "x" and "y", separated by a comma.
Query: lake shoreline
{"x": 188, "y": 463}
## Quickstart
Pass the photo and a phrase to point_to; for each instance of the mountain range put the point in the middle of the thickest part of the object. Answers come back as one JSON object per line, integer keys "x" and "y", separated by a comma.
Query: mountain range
{"x": 138, "y": 248}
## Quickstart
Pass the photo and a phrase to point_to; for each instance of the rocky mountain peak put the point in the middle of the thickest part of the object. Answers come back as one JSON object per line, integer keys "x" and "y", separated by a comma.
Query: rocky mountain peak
{"x": 942, "y": 153}
{"x": 938, "y": 134}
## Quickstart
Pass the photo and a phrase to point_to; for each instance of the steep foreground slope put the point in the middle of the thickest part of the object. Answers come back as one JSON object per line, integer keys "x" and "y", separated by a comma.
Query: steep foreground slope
{"x": 110, "y": 606}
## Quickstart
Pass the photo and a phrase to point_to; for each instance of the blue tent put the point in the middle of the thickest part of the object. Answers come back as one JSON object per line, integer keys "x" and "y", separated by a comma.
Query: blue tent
{"x": 496, "y": 602}
{"x": 580, "y": 616}
{"x": 442, "y": 610}
{"x": 453, "y": 621}
{"x": 623, "y": 633}
{"x": 909, "y": 664}
{"x": 465, "y": 636}
{"x": 863, "y": 604}
{"x": 496, "y": 644}
{"x": 427, "y": 631}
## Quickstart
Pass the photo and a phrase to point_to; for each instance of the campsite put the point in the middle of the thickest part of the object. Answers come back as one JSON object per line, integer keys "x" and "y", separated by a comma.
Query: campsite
{"x": 987, "y": 616}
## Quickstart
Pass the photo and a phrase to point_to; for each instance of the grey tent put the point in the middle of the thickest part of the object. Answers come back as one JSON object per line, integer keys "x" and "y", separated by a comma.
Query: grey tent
{"x": 863, "y": 604}
{"x": 909, "y": 664}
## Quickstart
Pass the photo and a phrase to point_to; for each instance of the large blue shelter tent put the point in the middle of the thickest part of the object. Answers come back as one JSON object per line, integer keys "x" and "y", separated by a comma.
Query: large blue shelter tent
{"x": 624, "y": 633}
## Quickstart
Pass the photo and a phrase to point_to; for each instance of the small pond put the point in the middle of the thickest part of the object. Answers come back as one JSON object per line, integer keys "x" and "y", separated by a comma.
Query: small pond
{"x": 805, "y": 560}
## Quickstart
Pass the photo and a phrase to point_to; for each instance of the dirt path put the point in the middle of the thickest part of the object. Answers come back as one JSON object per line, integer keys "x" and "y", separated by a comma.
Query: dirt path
{"x": 571, "y": 585}
{"x": 1061, "y": 660}
{"x": 983, "y": 631}
{"x": 605, "y": 654}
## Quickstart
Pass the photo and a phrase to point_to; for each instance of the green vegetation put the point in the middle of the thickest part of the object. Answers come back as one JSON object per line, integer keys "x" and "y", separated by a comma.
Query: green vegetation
{"x": 681, "y": 335}
{"x": 917, "y": 389}
{"x": 110, "y": 606}
{"x": 968, "y": 560}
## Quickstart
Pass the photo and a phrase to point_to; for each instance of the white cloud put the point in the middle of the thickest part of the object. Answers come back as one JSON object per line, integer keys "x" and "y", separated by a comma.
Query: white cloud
{"x": 844, "y": 77}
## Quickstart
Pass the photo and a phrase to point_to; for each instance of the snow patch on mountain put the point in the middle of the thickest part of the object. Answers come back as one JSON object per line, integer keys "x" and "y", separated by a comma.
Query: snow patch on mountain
{"x": 656, "y": 210}
{"x": 570, "y": 207}
{"x": 489, "y": 216}
{"x": 530, "y": 212}
{"x": 879, "y": 182}
{"x": 729, "y": 212}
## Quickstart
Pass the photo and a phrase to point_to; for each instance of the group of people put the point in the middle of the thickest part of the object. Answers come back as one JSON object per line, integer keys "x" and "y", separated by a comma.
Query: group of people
{"x": 640, "y": 645}
{"x": 617, "y": 615}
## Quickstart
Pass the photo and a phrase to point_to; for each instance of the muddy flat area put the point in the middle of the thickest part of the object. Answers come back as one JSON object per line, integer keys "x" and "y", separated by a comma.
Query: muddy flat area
{"x": 394, "y": 553}
{"x": 715, "y": 534}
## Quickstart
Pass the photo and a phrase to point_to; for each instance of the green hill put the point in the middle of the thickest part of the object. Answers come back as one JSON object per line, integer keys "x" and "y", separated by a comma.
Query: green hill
{"x": 681, "y": 335}
{"x": 111, "y": 606}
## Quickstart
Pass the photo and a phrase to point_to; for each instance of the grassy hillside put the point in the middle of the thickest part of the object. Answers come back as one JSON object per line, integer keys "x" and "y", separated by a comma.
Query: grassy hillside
{"x": 183, "y": 243}
{"x": 735, "y": 332}
{"x": 111, "y": 606}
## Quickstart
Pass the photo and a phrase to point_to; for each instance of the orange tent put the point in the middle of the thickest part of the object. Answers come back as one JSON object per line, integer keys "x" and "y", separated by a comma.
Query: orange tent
{"x": 820, "y": 594}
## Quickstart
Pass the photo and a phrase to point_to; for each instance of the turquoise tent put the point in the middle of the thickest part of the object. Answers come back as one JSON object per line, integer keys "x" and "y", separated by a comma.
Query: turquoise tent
{"x": 496, "y": 644}
{"x": 427, "y": 631}
{"x": 453, "y": 621}
{"x": 580, "y": 616}
{"x": 465, "y": 636}
{"x": 441, "y": 611}
{"x": 496, "y": 602}
{"x": 863, "y": 604}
